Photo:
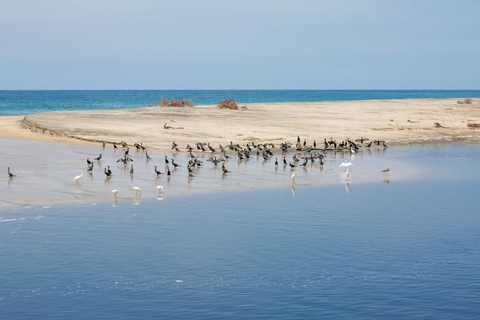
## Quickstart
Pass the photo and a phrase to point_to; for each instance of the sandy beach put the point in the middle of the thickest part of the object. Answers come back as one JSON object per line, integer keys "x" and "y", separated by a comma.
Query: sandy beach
{"x": 399, "y": 122}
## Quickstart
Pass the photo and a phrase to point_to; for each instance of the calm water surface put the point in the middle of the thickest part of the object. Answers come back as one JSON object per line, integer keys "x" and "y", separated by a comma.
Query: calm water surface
{"x": 397, "y": 250}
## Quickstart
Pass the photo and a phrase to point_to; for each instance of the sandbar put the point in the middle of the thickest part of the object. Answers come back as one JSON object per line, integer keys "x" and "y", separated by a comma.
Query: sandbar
{"x": 399, "y": 122}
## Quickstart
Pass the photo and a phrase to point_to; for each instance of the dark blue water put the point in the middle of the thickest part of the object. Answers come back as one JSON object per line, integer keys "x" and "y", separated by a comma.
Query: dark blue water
{"x": 26, "y": 102}
{"x": 397, "y": 250}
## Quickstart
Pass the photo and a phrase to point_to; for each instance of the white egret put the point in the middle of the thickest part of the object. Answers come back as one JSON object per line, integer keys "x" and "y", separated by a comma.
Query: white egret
{"x": 78, "y": 177}
{"x": 115, "y": 193}
{"x": 160, "y": 188}
{"x": 293, "y": 177}
{"x": 137, "y": 190}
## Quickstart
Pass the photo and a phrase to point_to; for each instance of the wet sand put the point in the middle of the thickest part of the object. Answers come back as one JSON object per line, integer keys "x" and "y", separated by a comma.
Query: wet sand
{"x": 399, "y": 122}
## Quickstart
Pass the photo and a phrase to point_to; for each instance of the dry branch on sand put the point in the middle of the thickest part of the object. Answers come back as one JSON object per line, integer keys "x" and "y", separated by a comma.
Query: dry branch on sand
{"x": 466, "y": 101}
{"x": 473, "y": 125}
{"x": 172, "y": 103}
{"x": 230, "y": 104}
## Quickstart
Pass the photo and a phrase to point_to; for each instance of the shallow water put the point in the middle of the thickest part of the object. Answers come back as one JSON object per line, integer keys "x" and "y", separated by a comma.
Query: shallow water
{"x": 403, "y": 249}
{"x": 45, "y": 173}
{"x": 398, "y": 251}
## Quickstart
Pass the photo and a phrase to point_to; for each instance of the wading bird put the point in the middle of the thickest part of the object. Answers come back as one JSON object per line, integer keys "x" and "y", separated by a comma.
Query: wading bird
{"x": 78, "y": 177}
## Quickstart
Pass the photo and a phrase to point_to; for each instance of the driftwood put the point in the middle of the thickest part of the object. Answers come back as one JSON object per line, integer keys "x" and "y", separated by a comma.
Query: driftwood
{"x": 167, "y": 127}
{"x": 473, "y": 125}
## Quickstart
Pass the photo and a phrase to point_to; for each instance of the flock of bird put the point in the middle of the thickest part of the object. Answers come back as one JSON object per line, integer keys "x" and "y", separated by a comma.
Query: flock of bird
{"x": 307, "y": 153}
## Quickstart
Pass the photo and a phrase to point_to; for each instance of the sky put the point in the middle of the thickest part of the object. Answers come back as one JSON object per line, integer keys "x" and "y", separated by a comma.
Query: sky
{"x": 222, "y": 44}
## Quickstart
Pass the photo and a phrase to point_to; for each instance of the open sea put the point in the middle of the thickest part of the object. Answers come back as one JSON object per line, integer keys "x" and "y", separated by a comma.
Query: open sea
{"x": 399, "y": 246}
{"x": 26, "y": 102}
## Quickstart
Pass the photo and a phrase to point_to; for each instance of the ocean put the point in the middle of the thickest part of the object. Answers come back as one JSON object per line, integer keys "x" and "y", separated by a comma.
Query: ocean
{"x": 26, "y": 102}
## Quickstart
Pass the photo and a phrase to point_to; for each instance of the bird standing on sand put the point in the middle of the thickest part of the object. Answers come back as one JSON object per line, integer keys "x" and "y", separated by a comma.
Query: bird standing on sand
{"x": 10, "y": 174}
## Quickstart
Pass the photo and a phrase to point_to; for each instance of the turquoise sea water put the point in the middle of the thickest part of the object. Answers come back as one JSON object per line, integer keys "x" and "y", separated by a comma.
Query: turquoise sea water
{"x": 396, "y": 250}
{"x": 26, "y": 102}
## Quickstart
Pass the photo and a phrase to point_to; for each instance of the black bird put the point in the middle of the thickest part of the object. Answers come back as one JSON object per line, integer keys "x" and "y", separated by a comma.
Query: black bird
{"x": 292, "y": 165}
{"x": 157, "y": 171}
{"x": 168, "y": 171}
{"x": 224, "y": 169}
{"x": 147, "y": 156}
{"x": 10, "y": 174}
{"x": 276, "y": 162}
{"x": 88, "y": 161}
{"x": 175, "y": 164}
{"x": 284, "y": 161}
{"x": 99, "y": 157}
{"x": 108, "y": 174}
{"x": 131, "y": 169}
{"x": 90, "y": 167}
{"x": 109, "y": 171}
{"x": 166, "y": 160}
{"x": 103, "y": 144}
{"x": 114, "y": 146}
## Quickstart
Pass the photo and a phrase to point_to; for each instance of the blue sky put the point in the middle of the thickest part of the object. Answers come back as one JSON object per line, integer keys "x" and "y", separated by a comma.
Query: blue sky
{"x": 262, "y": 44}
